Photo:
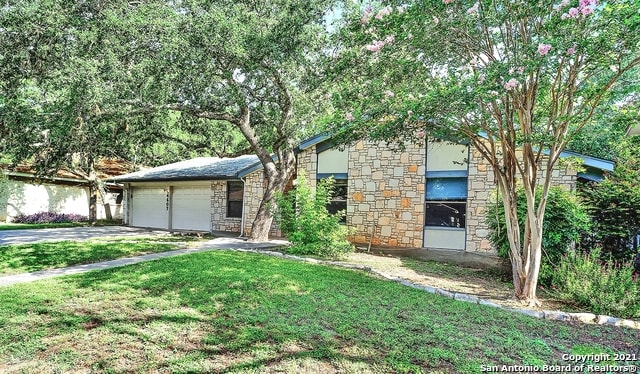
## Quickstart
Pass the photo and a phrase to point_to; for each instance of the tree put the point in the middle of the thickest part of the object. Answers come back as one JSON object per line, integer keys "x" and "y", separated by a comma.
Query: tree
{"x": 243, "y": 64}
{"x": 517, "y": 81}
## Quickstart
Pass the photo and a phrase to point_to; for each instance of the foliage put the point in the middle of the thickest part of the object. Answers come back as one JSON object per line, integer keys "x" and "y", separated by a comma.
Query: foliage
{"x": 268, "y": 314}
{"x": 515, "y": 80}
{"x": 564, "y": 223}
{"x": 304, "y": 218}
{"x": 155, "y": 80}
{"x": 48, "y": 217}
{"x": 614, "y": 204}
{"x": 603, "y": 287}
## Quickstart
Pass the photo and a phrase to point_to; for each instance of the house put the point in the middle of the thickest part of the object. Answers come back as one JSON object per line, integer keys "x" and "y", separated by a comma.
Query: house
{"x": 22, "y": 191}
{"x": 201, "y": 194}
{"x": 433, "y": 195}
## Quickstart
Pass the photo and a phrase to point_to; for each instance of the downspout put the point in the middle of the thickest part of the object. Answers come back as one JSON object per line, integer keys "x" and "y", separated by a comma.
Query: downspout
{"x": 244, "y": 191}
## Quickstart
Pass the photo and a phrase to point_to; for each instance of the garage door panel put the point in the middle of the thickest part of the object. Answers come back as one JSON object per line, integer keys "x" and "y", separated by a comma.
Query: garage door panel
{"x": 149, "y": 207}
{"x": 191, "y": 209}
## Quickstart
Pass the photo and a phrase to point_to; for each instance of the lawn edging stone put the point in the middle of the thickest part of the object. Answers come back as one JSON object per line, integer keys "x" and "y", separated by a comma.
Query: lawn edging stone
{"x": 587, "y": 318}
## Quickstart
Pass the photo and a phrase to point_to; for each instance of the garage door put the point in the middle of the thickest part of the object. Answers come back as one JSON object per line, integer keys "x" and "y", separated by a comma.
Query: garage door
{"x": 149, "y": 207}
{"x": 191, "y": 209}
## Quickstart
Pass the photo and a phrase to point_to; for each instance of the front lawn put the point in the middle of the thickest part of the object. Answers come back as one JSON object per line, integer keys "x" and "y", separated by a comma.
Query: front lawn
{"x": 24, "y": 258}
{"x": 226, "y": 311}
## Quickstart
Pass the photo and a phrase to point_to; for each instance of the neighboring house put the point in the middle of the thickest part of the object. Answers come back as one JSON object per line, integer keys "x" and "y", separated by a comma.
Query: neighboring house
{"x": 202, "y": 194}
{"x": 24, "y": 192}
{"x": 434, "y": 195}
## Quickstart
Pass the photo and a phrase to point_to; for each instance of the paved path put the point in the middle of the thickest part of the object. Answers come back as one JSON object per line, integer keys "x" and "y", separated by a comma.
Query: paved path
{"x": 218, "y": 243}
{"x": 8, "y": 237}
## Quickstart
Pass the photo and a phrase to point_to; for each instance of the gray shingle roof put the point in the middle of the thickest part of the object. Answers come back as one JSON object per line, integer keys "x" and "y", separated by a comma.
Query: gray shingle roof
{"x": 201, "y": 168}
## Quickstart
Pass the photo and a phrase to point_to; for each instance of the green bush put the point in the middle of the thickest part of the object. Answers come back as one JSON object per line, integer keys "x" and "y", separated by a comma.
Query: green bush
{"x": 304, "y": 218}
{"x": 564, "y": 221}
{"x": 602, "y": 287}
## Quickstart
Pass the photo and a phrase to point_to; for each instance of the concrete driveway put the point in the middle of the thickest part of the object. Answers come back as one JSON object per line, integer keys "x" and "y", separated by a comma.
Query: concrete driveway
{"x": 8, "y": 237}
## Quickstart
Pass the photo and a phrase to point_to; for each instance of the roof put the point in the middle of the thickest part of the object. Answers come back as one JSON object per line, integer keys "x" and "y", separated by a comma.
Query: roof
{"x": 105, "y": 168}
{"x": 201, "y": 168}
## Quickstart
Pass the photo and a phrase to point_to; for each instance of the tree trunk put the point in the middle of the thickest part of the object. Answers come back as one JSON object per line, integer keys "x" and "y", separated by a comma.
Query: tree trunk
{"x": 93, "y": 199}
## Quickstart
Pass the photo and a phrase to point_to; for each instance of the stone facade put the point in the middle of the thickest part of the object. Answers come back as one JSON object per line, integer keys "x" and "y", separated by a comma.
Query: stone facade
{"x": 385, "y": 203}
{"x": 386, "y": 194}
{"x": 483, "y": 195}
{"x": 254, "y": 190}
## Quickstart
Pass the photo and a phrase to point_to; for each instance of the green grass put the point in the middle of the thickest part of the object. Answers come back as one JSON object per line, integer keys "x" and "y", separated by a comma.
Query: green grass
{"x": 226, "y": 311}
{"x": 25, "y": 258}
{"x": 29, "y": 226}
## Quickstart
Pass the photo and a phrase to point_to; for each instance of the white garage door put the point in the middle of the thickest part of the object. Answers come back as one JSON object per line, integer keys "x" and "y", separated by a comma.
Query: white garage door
{"x": 149, "y": 207}
{"x": 191, "y": 208}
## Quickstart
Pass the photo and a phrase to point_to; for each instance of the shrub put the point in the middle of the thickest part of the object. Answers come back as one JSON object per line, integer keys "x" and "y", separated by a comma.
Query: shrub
{"x": 603, "y": 287}
{"x": 49, "y": 217}
{"x": 304, "y": 218}
{"x": 564, "y": 221}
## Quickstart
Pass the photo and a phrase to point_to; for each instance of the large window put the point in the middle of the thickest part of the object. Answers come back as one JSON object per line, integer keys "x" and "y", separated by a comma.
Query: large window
{"x": 235, "y": 195}
{"x": 446, "y": 202}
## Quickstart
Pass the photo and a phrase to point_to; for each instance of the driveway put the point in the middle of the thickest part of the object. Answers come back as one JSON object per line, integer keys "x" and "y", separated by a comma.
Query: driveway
{"x": 8, "y": 237}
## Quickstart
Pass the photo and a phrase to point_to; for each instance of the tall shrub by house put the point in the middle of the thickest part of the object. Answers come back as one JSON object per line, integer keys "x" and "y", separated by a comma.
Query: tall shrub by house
{"x": 305, "y": 220}
{"x": 565, "y": 221}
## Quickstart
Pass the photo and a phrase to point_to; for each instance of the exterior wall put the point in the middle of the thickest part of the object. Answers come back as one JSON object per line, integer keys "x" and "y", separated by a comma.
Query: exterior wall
{"x": 386, "y": 194}
{"x": 253, "y": 192}
{"x": 21, "y": 197}
{"x": 483, "y": 196}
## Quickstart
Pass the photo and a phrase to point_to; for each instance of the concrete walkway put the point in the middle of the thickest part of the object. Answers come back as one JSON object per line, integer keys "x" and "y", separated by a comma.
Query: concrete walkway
{"x": 10, "y": 237}
{"x": 218, "y": 243}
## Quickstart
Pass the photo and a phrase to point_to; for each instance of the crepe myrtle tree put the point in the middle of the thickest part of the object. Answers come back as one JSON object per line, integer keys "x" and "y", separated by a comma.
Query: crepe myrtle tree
{"x": 515, "y": 79}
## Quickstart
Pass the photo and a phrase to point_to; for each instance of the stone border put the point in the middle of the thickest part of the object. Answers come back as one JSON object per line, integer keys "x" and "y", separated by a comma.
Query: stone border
{"x": 587, "y": 318}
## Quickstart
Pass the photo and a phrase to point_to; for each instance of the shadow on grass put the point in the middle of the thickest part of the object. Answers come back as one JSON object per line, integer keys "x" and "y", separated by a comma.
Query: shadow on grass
{"x": 226, "y": 311}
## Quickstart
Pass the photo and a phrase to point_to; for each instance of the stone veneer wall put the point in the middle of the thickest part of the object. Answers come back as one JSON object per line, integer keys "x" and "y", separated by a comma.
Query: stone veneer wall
{"x": 386, "y": 193}
{"x": 482, "y": 196}
{"x": 254, "y": 190}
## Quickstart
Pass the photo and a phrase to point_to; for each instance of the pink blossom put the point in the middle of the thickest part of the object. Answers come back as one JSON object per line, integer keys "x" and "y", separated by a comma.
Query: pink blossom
{"x": 349, "y": 116}
{"x": 586, "y": 11}
{"x": 435, "y": 20}
{"x": 473, "y": 9}
{"x": 543, "y": 49}
{"x": 375, "y": 46}
{"x": 571, "y": 50}
{"x": 574, "y": 12}
{"x": 389, "y": 39}
{"x": 388, "y": 93}
{"x": 564, "y": 3}
{"x": 383, "y": 12}
{"x": 511, "y": 84}
{"x": 420, "y": 134}
{"x": 564, "y": 16}
{"x": 447, "y": 1}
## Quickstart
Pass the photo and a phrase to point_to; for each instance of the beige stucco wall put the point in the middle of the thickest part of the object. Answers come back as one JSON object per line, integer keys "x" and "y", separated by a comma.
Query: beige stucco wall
{"x": 21, "y": 197}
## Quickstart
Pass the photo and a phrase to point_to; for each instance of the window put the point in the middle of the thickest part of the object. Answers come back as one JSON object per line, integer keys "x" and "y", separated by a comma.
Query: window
{"x": 235, "y": 194}
{"x": 446, "y": 203}
{"x": 339, "y": 199}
